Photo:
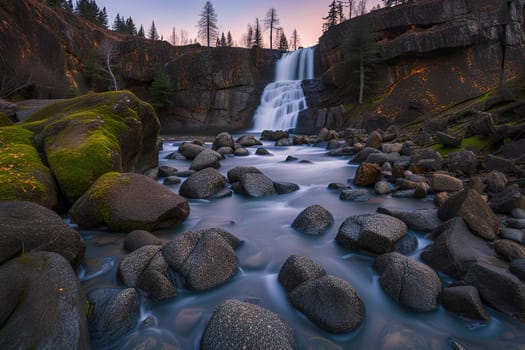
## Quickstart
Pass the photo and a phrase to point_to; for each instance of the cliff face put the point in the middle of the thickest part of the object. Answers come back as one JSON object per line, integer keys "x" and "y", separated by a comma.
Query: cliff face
{"x": 434, "y": 54}
{"x": 49, "y": 53}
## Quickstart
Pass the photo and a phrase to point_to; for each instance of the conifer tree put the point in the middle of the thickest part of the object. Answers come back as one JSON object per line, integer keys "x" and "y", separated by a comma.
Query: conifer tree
{"x": 223, "y": 40}
{"x": 294, "y": 40}
{"x": 102, "y": 18}
{"x": 130, "y": 27}
{"x": 161, "y": 90}
{"x": 283, "y": 42}
{"x": 229, "y": 40}
{"x": 117, "y": 24}
{"x": 152, "y": 33}
{"x": 257, "y": 35}
{"x": 249, "y": 36}
{"x": 140, "y": 33}
{"x": 331, "y": 19}
{"x": 271, "y": 22}
{"x": 208, "y": 30}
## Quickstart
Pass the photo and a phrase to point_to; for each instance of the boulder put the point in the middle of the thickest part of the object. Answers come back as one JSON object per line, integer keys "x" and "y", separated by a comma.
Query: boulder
{"x": 240, "y": 325}
{"x": 139, "y": 238}
{"x": 464, "y": 301}
{"x": 171, "y": 180}
{"x": 500, "y": 164}
{"x": 517, "y": 267}
{"x": 257, "y": 185}
{"x": 498, "y": 287}
{"x": 448, "y": 140}
{"x": 406, "y": 245}
{"x": 375, "y": 233}
{"x": 314, "y": 220}
{"x": 235, "y": 174}
{"x": 114, "y": 313}
{"x": 463, "y": 162}
{"x": 190, "y": 150}
{"x": 409, "y": 282}
{"x": 509, "y": 250}
{"x": 127, "y": 202}
{"x": 455, "y": 249}
{"x": 516, "y": 223}
{"x": 382, "y": 187}
{"x": 274, "y": 135}
{"x": 513, "y": 234}
{"x": 382, "y": 158}
{"x": 285, "y": 187}
{"x": 205, "y": 183}
{"x": 283, "y": 142}
{"x": 241, "y": 152}
{"x": 165, "y": 171}
{"x": 29, "y": 227}
{"x": 298, "y": 269}
{"x": 261, "y": 151}
{"x": 424, "y": 220}
{"x": 301, "y": 140}
{"x": 496, "y": 181}
{"x": 329, "y": 302}
{"x": 42, "y": 305}
{"x": 362, "y": 155}
{"x": 392, "y": 147}
{"x": 367, "y": 174}
{"x": 205, "y": 258}
{"x": 469, "y": 205}
{"x": 206, "y": 159}
{"x": 445, "y": 183}
{"x": 355, "y": 195}
{"x": 224, "y": 139}
{"x": 248, "y": 141}
{"x": 431, "y": 160}
{"x": 374, "y": 140}
{"x": 223, "y": 151}
{"x": 506, "y": 200}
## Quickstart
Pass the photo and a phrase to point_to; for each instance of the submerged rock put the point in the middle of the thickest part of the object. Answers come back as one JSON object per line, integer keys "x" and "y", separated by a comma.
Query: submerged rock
{"x": 298, "y": 269}
{"x": 190, "y": 150}
{"x": 256, "y": 185}
{"x": 205, "y": 183}
{"x": 465, "y": 301}
{"x": 314, "y": 220}
{"x": 139, "y": 238}
{"x": 206, "y": 159}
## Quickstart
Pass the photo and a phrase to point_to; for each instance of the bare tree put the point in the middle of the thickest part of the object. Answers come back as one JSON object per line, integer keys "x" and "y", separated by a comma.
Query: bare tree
{"x": 108, "y": 49}
{"x": 184, "y": 37}
{"x": 12, "y": 81}
{"x": 174, "y": 38}
{"x": 361, "y": 7}
{"x": 208, "y": 30}
{"x": 271, "y": 22}
{"x": 294, "y": 40}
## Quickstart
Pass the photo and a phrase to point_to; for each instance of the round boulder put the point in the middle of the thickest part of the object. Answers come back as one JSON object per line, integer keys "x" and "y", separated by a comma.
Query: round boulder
{"x": 248, "y": 141}
{"x": 257, "y": 185}
{"x": 314, "y": 220}
{"x": 206, "y": 159}
{"x": 367, "y": 174}
{"x": 203, "y": 184}
{"x": 190, "y": 150}
{"x": 298, "y": 269}
{"x": 464, "y": 162}
{"x": 139, "y": 238}
{"x": 445, "y": 183}
{"x": 224, "y": 139}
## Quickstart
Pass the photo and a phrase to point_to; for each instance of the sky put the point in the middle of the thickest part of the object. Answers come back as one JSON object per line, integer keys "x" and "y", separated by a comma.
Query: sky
{"x": 233, "y": 15}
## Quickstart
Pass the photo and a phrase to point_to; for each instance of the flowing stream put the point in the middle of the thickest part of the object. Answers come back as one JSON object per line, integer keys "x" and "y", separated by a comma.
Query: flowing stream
{"x": 268, "y": 240}
{"x": 283, "y": 99}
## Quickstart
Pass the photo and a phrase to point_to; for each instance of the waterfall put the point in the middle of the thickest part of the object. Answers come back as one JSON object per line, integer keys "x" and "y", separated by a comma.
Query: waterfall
{"x": 283, "y": 99}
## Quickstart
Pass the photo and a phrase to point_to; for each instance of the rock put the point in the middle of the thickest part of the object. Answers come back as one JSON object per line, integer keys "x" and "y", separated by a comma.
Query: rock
{"x": 374, "y": 140}
{"x": 301, "y": 140}
{"x": 382, "y": 158}
{"x": 43, "y": 288}
{"x": 464, "y": 301}
{"x": 165, "y": 171}
{"x": 391, "y": 147}
{"x": 404, "y": 194}
{"x": 257, "y": 185}
{"x": 338, "y": 186}
{"x": 283, "y": 142}
{"x": 375, "y": 233}
{"x": 464, "y": 162}
{"x": 114, "y": 313}
{"x": 235, "y": 174}
{"x": 113, "y": 201}
{"x": 152, "y": 173}
{"x": 421, "y": 190}
{"x": 291, "y": 159}
{"x": 518, "y": 213}
{"x": 500, "y": 164}
{"x": 455, "y": 249}
{"x": 400, "y": 335}
{"x": 445, "y": 183}
{"x": 190, "y": 150}
{"x": 482, "y": 124}
{"x": 509, "y": 250}
{"x": 422, "y": 154}
{"x": 496, "y": 181}
{"x": 241, "y": 152}
{"x": 367, "y": 174}
{"x": 410, "y": 283}
{"x": 424, "y": 220}
{"x": 139, "y": 238}
{"x": 223, "y": 151}
{"x": 205, "y": 183}
{"x": 329, "y": 302}
{"x": 206, "y": 159}
{"x": 29, "y": 227}
{"x": 516, "y": 223}
{"x": 517, "y": 267}
{"x": 448, "y": 140}
{"x": 391, "y": 133}
{"x": 362, "y": 155}
{"x": 298, "y": 269}
{"x": 406, "y": 245}
{"x": 285, "y": 187}
{"x": 171, "y": 180}
{"x": 224, "y": 139}
{"x": 476, "y": 183}
{"x": 333, "y": 144}
{"x": 498, "y": 287}
{"x": 239, "y": 325}
{"x": 261, "y": 151}
{"x": 359, "y": 195}
{"x": 205, "y": 258}
{"x": 506, "y": 200}
{"x": 513, "y": 234}
{"x": 470, "y": 206}
{"x": 440, "y": 198}
{"x": 175, "y": 156}
{"x": 314, "y": 220}
{"x": 382, "y": 187}
{"x": 274, "y": 135}
{"x": 248, "y": 141}
{"x": 185, "y": 173}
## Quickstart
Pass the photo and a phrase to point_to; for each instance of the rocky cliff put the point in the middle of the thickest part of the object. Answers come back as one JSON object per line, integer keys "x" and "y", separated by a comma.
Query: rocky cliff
{"x": 433, "y": 55}
{"x": 49, "y": 54}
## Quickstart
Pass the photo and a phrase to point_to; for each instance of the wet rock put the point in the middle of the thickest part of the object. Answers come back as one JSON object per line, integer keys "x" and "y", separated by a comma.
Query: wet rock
{"x": 235, "y": 174}
{"x": 445, "y": 183}
{"x": 421, "y": 154}
{"x": 114, "y": 313}
{"x": 516, "y": 223}
{"x": 507, "y": 200}
{"x": 498, "y": 287}
{"x": 362, "y": 155}
{"x": 283, "y": 142}
{"x": 455, "y": 249}
{"x": 285, "y": 187}
{"x": 257, "y": 185}
{"x": 158, "y": 285}
{"x": 291, "y": 159}
{"x": 376, "y": 233}
{"x": 171, "y": 180}
{"x": 517, "y": 267}
{"x": 205, "y": 258}
{"x": 223, "y": 151}
{"x": 513, "y": 234}
{"x": 174, "y": 156}
{"x": 29, "y": 227}
{"x": 464, "y": 162}
{"x": 113, "y": 201}
{"x": 367, "y": 174}
{"x": 410, "y": 283}
{"x": 190, "y": 150}
{"x": 448, "y": 140}
{"x": 338, "y": 186}
{"x": 151, "y": 338}
{"x": 301, "y": 140}
{"x": 382, "y": 187}
{"x": 382, "y": 158}
{"x": 261, "y": 151}
{"x": 298, "y": 269}
{"x": 241, "y": 152}
{"x": 509, "y": 250}
{"x": 470, "y": 206}
{"x": 224, "y": 139}
{"x": 476, "y": 183}
{"x": 185, "y": 173}
{"x": 42, "y": 304}
{"x": 440, "y": 198}
{"x": 424, "y": 220}
{"x": 464, "y": 301}
{"x": 406, "y": 245}
{"x": 421, "y": 190}
{"x": 404, "y": 194}
{"x": 203, "y": 184}
{"x": 165, "y": 171}
{"x": 274, "y": 135}
{"x": 239, "y": 325}
{"x": 397, "y": 336}
{"x": 333, "y": 144}
{"x": 139, "y": 238}
{"x": 314, "y": 220}
{"x": 496, "y": 181}
{"x": 206, "y": 159}
{"x": 248, "y": 141}
{"x": 326, "y": 135}
{"x": 374, "y": 140}
{"x": 355, "y": 195}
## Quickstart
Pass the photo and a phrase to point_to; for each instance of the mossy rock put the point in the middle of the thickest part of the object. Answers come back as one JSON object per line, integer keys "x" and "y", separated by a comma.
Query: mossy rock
{"x": 4, "y": 120}
{"x": 23, "y": 176}
{"x": 127, "y": 202}
{"x": 91, "y": 135}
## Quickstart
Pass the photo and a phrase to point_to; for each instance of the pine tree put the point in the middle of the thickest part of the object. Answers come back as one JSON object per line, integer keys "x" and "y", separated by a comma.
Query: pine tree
{"x": 218, "y": 43}
{"x": 140, "y": 33}
{"x": 229, "y": 40}
{"x": 102, "y": 18}
{"x": 294, "y": 40}
{"x": 249, "y": 36}
{"x": 130, "y": 27}
{"x": 208, "y": 30}
{"x": 161, "y": 90}
{"x": 152, "y": 33}
{"x": 223, "y": 40}
{"x": 339, "y": 10}
{"x": 331, "y": 19}
{"x": 117, "y": 24}
{"x": 270, "y": 22}
{"x": 257, "y": 35}
{"x": 283, "y": 42}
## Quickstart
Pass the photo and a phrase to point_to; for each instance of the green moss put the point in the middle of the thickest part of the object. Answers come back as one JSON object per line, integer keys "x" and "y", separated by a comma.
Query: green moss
{"x": 88, "y": 308}
{"x": 4, "y": 120}
{"x": 476, "y": 142}
{"x": 98, "y": 193}
{"x": 16, "y": 135}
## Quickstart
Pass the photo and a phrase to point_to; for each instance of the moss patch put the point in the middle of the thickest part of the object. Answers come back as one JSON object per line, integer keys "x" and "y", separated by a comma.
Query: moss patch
{"x": 475, "y": 142}
{"x": 4, "y": 120}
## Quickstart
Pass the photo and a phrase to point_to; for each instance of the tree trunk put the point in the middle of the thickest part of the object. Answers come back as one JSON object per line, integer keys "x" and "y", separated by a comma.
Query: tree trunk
{"x": 361, "y": 79}
{"x": 108, "y": 63}
{"x": 271, "y": 31}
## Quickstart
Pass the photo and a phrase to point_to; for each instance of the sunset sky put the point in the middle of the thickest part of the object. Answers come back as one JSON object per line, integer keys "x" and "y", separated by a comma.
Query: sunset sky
{"x": 233, "y": 15}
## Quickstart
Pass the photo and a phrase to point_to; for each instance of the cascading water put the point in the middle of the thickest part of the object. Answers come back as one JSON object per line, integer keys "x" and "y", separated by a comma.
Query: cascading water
{"x": 283, "y": 99}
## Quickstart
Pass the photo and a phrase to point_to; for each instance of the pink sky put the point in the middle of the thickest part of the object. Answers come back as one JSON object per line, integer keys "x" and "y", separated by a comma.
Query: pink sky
{"x": 233, "y": 15}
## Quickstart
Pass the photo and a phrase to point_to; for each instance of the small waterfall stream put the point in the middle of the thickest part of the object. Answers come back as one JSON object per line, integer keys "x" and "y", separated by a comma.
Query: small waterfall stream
{"x": 283, "y": 99}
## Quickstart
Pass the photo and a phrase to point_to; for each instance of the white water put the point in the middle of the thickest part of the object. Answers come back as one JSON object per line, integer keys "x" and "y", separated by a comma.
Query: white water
{"x": 283, "y": 99}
